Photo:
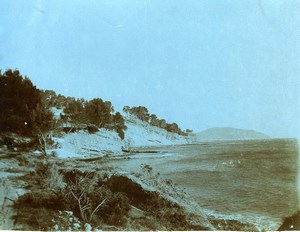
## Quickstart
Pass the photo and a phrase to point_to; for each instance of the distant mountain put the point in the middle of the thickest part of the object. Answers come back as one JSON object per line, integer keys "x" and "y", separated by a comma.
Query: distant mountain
{"x": 228, "y": 133}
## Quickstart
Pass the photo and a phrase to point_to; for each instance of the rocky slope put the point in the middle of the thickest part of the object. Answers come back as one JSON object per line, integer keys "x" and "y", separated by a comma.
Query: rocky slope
{"x": 138, "y": 133}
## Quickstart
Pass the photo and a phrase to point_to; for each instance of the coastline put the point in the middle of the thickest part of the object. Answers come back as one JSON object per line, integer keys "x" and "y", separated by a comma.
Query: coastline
{"x": 260, "y": 220}
{"x": 150, "y": 181}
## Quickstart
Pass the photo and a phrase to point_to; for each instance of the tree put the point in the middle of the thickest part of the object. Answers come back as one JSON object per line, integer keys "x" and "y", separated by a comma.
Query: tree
{"x": 162, "y": 123}
{"x": 173, "y": 127}
{"x": 98, "y": 112}
{"x": 19, "y": 99}
{"x": 119, "y": 123}
{"x": 44, "y": 122}
{"x": 23, "y": 110}
{"x": 141, "y": 112}
{"x": 48, "y": 98}
{"x": 75, "y": 111}
{"x": 154, "y": 121}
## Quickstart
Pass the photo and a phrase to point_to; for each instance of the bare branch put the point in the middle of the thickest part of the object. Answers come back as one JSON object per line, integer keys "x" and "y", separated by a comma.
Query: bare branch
{"x": 70, "y": 129}
{"x": 81, "y": 194}
{"x": 95, "y": 210}
{"x": 83, "y": 200}
{"x": 74, "y": 194}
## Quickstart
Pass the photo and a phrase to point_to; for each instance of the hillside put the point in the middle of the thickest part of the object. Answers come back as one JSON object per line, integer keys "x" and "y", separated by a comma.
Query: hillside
{"x": 141, "y": 133}
{"x": 228, "y": 133}
{"x": 138, "y": 133}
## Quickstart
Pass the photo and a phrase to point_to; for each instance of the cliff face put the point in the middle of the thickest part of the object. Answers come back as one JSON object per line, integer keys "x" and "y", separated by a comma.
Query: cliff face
{"x": 138, "y": 134}
{"x": 227, "y": 133}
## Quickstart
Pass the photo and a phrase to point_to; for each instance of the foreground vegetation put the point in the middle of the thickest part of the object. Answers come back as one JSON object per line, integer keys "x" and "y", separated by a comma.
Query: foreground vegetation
{"x": 67, "y": 198}
{"x": 66, "y": 195}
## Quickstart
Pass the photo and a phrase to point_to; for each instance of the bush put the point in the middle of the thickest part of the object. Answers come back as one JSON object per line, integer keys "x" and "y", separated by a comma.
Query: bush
{"x": 115, "y": 210}
{"x": 133, "y": 191}
{"x": 38, "y": 219}
{"x": 23, "y": 160}
{"x": 54, "y": 194}
{"x": 46, "y": 176}
{"x": 167, "y": 214}
{"x": 93, "y": 202}
{"x": 94, "y": 199}
{"x": 54, "y": 180}
{"x": 41, "y": 199}
{"x": 8, "y": 141}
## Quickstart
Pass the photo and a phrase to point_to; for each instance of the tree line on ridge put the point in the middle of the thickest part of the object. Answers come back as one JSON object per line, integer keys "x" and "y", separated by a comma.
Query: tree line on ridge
{"x": 27, "y": 110}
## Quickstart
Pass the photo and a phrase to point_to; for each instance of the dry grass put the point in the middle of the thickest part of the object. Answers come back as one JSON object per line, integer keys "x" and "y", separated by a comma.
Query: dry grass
{"x": 97, "y": 199}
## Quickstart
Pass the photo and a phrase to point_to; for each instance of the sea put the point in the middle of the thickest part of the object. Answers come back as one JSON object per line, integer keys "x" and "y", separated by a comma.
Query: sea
{"x": 255, "y": 181}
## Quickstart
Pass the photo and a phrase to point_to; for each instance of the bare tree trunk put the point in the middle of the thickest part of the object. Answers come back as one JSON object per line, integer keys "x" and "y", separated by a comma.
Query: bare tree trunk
{"x": 84, "y": 205}
{"x": 100, "y": 124}
{"x": 43, "y": 142}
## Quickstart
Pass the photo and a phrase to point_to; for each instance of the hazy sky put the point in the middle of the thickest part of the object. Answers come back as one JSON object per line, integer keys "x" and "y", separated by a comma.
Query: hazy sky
{"x": 202, "y": 63}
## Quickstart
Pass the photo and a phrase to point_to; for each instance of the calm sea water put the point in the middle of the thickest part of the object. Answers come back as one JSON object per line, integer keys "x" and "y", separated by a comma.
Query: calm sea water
{"x": 252, "y": 181}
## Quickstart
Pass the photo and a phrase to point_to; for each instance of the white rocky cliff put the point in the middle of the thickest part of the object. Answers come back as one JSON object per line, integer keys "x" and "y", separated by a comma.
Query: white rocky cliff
{"x": 138, "y": 133}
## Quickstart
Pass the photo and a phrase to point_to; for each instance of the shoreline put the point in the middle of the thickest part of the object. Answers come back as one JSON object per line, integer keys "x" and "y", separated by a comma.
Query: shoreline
{"x": 17, "y": 171}
{"x": 247, "y": 221}
{"x": 148, "y": 183}
{"x": 235, "y": 221}
{"x": 259, "y": 221}
{"x": 262, "y": 221}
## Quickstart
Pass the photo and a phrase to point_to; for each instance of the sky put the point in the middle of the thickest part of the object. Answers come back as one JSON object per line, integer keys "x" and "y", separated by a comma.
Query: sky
{"x": 199, "y": 63}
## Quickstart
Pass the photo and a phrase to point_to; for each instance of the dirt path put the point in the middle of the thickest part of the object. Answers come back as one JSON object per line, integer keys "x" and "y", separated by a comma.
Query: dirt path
{"x": 7, "y": 196}
{"x": 9, "y": 192}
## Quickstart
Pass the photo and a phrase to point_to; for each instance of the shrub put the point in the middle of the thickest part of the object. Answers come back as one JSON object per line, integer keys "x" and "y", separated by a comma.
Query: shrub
{"x": 23, "y": 160}
{"x": 34, "y": 218}
{"x": 46, "y": 176}
{"x": 82, "y": 193}
{"x": 94, "y": 199}
{"x": 115, "y": 210}
{"x": 8, "y": 141}
{"x": 41, "y": 199}
{"x": 54, "y": 180}
{"x": 133, "y": 191}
